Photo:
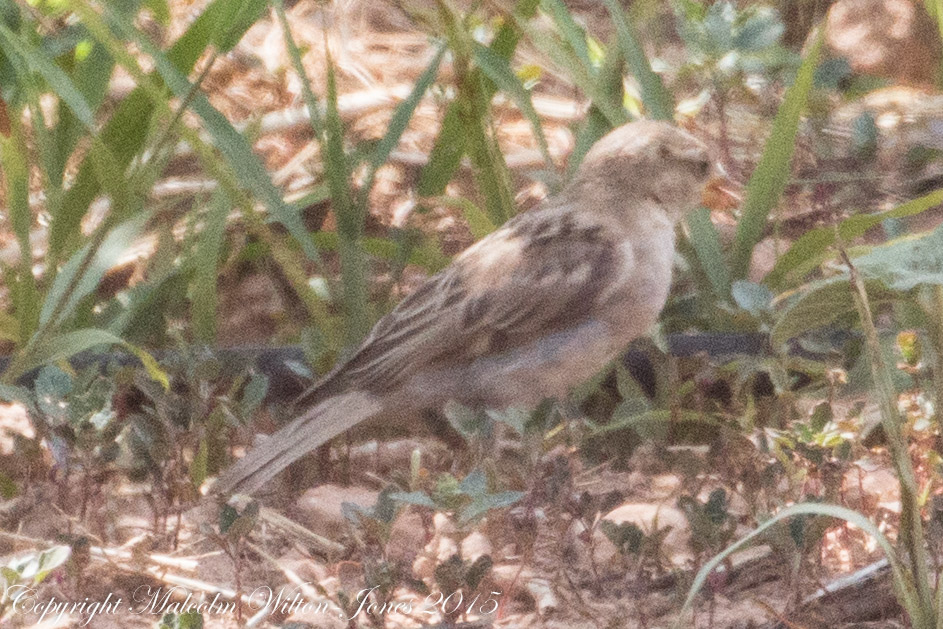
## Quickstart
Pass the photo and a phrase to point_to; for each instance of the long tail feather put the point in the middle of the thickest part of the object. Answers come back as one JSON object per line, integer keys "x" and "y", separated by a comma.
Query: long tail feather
{"x": 316, "y": 426}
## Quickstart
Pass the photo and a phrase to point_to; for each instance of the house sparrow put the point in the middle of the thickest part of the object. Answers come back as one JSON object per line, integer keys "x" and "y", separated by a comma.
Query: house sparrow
{"x": 531, "y": 310}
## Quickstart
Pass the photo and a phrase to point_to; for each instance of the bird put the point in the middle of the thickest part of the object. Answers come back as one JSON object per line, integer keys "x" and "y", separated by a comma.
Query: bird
{"x": 533, "y": 309}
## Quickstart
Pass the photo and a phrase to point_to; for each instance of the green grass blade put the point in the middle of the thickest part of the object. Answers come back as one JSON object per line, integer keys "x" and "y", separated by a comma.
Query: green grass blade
{"x": 812, "y": 248}
{"x": 557, "y": 51}
{"x": 9, "y": 325}
{"x": 446, "y": 154}
{"x": 911, "y": 535}
{"x": 710, "y": 255}
{"x": 573, "y": 34}
{"x": 311, "y": 101}
{"x": 399, "y": 121}
{"x": 15, "y": 170}
{"x": 935, "y": 9}
{"x": 84, "y": 271}
{"x": 478, "y": 222}
{"x": 125, "y": 134}
{"x": 507, "y": 37}
{"x": 234, "y": 147}
{"x": 450, "y": 145}
{"x": 29, "y": 60}
{"x": 768, "y": 181}
{"x": 596, "y": 125}
{"x": 903, "y": 582}
{"x": 203, "y": 294}
{"x": 336, "y": 166}
{"x": 488, "y": 166}
{"x": 160, "y": 10}
{"x": 229, "y": 27}
{"x": 60, "y": 82}
{"x": 499, "y": 71}
{"x": 148, "y": 303}
{"x": 657, "y": 100}
{"x": 91, "y": 77}
{"x": 350, "y": 218}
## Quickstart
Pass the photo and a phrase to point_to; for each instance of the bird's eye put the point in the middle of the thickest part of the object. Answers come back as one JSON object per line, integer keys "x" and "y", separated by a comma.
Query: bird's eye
{"x": 703, "y": 167}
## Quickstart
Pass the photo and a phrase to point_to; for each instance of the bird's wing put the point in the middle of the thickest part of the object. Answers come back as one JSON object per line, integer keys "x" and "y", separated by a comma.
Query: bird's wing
{"x": 542, "y": 272}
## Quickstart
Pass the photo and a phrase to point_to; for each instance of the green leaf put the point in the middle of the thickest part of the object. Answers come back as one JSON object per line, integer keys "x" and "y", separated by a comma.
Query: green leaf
{"x": 8, "y": 488}
{"x": 419, "y": 498}
{"x": 626, "y": 536}
{"x": 63, "y": 346}
{"x": 768, "y": 181}
{"x": 475, "y": 484}
{"x": 9, "y": 327}
{"x": 13, "y": 393}
{"x": 254, "y": 394}
{"x": 759, "y": 31}
{"x": 906, "y": 263}
{"x": 160, "y": 10}
{"x": 51, "y": 388}
{"x": 718, "y": 28}
{"x": 754, "y": 298}
{"x": 822, "y": 303}
{"x": 37, "y": 567}
{"x": 657, "y": 100}
{"x": 831, "y": 72}
{"x": 49, "y": 560}
{"x": 190, "y": 620}
{"x": 516, "y": 418}
{"x": 150, "y": 364}
{"x": 483, "y": 504}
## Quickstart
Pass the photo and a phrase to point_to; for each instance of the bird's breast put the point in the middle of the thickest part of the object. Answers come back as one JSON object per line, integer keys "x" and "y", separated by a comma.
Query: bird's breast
{"x": 641, "y": 287}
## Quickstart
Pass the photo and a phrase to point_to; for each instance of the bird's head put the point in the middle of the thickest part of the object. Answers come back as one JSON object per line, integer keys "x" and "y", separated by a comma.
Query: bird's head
{"x": 646, "y": 162}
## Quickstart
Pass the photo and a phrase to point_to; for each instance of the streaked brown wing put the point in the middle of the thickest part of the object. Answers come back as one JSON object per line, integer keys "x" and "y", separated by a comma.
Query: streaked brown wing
{"x": 550, "y": 275}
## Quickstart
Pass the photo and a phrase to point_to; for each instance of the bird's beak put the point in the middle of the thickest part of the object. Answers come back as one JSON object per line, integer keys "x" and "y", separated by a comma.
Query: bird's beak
{"x": 721, "y": 192}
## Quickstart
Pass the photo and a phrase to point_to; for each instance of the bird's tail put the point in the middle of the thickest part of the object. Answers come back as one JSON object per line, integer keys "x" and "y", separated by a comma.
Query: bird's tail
{"x": 318, "y": 425}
